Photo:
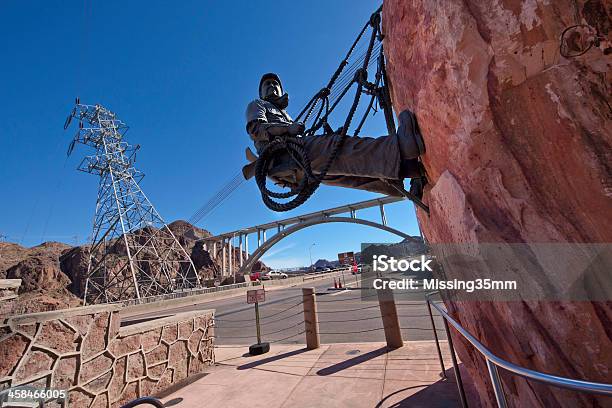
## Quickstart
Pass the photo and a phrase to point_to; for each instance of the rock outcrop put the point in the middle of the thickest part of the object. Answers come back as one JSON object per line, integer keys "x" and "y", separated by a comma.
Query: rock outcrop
{"x": 39, "y": 272}
{"x": 54, "y": 274}
{"x": 187, "y": 233}
{"x": 518, "y": 128}
{"x": 43, "y": 282}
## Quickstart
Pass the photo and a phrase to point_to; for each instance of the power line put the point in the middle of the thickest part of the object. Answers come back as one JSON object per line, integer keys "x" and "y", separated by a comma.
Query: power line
{"x": 217, "y": 199}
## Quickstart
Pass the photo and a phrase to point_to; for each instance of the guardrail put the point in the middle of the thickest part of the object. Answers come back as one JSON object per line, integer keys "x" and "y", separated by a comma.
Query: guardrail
{"x": 316, "y": 275}
{"x": 494, "y": 362}
{"x": 202, "y": 291}
{"x": 185, "y": 293}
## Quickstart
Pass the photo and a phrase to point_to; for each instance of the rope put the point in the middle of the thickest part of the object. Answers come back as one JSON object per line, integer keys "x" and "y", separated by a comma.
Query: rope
{"x": 234, "y": 321}
{"x": 236, "y": 337}
{"x": 254, "y": 336}
{"x": 563, "y": 43}
{"x": 345, "y": 299}
{"x": 294, "y": 147}
{"x": 234, "y": 327}
{"x": 282, "y": 318}
{"x": 282, "y": 311}
{"x": 261, "y": 318}
{"x": 283, "y": 329}
{"x": 348, "y": 310}
{"x": 262, "y": 324}
{"x": 285, "y": 338}
{"x": 349, "y": 320}
{"x": 354, "y": 332}
{"x": 419, "y": 328}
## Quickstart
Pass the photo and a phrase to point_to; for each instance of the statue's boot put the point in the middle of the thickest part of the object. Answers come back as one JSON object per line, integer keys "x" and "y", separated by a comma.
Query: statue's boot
{"x": 409, "y": 136}
{"x": 412, "y": 146}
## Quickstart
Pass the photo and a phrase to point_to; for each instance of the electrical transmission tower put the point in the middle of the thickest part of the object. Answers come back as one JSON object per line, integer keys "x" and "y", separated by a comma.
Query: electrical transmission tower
{"x": 133, "y": 253}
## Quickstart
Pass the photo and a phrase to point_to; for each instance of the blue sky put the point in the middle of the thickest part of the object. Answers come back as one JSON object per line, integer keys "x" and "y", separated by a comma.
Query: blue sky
{"x": 180, "y": 74}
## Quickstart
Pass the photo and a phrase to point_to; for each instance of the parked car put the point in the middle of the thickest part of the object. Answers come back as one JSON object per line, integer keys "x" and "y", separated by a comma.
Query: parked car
{"x": 277, "y": 275}
{"x": 255, "y": 276}
{"x": 265, "y": 276}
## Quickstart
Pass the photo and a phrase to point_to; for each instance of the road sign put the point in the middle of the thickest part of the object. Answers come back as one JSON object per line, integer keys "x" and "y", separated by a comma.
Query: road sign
{"x": 346, "y": 258}
{"x": 256, "y": 296}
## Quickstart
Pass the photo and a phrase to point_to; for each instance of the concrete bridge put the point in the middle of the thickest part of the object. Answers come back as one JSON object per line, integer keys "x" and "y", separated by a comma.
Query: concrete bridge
{"x": 224, "y": 245}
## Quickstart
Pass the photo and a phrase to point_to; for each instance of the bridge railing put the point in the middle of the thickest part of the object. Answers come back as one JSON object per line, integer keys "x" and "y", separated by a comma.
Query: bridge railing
{"x": 202, "y": 291}
{"x": 184, "y": 293}
{"x": 494, "y": 362}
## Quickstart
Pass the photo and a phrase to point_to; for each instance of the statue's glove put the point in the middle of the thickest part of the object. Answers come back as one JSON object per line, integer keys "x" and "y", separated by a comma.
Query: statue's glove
{"x": 296, "y": 128}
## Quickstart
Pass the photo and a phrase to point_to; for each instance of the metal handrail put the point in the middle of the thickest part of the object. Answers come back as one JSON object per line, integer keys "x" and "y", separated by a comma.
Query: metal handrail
{"x": 493, "y": 362}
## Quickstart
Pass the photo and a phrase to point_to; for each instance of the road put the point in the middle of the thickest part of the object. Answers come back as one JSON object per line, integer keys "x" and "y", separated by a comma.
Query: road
{"x": 344, "y": 316}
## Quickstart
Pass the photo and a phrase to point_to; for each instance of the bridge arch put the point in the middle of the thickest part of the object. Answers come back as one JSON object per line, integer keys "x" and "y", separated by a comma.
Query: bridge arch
{"x": 276, "y": 238}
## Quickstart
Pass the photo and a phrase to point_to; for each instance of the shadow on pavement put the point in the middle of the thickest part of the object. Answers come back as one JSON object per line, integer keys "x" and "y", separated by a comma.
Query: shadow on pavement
{"x": 270, "y": 359}
{"x": 441, "y": 394}
{"x": 352, "y": 362}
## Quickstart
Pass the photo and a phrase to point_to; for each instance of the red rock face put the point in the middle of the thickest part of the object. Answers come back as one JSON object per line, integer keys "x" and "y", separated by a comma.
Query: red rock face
{"x": 519, "y": 149}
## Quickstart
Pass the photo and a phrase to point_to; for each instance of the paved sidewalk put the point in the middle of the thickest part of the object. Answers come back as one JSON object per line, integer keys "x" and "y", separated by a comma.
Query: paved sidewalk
{"x": 335, "y": 375}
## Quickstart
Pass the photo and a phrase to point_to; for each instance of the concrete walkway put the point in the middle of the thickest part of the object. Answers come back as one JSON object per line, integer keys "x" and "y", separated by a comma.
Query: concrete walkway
{"x": 336, "y": 375}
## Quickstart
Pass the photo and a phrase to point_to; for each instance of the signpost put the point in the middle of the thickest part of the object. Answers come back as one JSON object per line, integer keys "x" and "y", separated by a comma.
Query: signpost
{"x": 255, "y": 296}
{"x": 346, "y": 258}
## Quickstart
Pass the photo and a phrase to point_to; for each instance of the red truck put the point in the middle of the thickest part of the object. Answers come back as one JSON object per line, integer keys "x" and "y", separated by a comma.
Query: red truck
{"x": 259, "y": 275}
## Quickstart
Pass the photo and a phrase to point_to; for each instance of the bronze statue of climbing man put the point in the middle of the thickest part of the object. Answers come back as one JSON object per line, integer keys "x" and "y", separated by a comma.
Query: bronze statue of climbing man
{"x": 373, "y": 164}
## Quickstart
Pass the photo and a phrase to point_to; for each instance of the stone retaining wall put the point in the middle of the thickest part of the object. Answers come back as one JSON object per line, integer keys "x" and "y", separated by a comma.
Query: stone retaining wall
{"x": 85, "y": 352}
{"x": 9, "y": 289}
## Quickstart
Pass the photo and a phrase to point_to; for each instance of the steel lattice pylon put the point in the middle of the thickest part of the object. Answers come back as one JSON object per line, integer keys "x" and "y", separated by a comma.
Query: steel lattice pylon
{"x": 133, "y": 252}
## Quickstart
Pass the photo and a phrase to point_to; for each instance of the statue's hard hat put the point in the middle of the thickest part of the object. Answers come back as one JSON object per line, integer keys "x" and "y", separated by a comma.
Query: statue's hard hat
{"x": 269, "y": 75}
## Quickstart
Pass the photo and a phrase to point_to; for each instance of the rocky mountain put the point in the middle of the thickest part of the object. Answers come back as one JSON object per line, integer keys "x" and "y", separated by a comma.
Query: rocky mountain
{"x": 324, "y": 263}
{"x": 401, "y": 250}
{"x": 44, "y": 285}
{"x": 53, "y": 274}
